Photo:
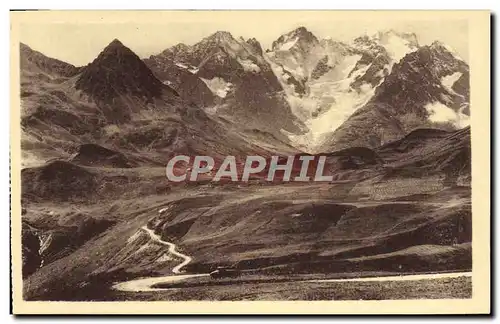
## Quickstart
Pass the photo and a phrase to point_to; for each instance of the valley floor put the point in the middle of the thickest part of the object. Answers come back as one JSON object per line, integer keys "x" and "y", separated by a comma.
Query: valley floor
{"x": 280, "y": 237}
{"x": 274, "y": 289}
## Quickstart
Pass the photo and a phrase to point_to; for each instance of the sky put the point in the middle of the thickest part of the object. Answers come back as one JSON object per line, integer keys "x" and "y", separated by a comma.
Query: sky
{"x": 79, "y": 41}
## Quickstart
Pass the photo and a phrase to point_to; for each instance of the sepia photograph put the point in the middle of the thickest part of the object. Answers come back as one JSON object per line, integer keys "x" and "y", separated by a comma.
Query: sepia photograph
{"x": 257, "y": 157}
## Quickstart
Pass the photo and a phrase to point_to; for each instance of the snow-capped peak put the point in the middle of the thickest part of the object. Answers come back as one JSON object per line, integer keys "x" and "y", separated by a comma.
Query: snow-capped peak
{"x": 411, "y": 38}
{"x": 397, "y": 44}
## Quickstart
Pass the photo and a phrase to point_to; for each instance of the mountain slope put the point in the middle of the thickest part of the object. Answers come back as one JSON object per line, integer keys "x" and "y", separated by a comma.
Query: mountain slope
{"x": 428, "y": 151}
{"x": 245, "y": 89}
{"x": 117, "y": 79}
{"x": 117, "y": 70}
{"x": 417, "y": 93}
{"x": 33, "y": 61}
{"x": 101, "y": 135}
{"x": 326, "y": 80}
{"x": 117, "y": 102}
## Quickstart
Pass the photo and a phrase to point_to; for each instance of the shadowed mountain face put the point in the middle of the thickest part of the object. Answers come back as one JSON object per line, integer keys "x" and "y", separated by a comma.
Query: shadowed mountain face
{"x": 416, "y": 80}
{"x": 191, "y": 88}
{"x": 244, "y": 87}
{"x": 118, "y": 103}
{"x": 123, "y": 87}
{"x": 388, "y": 115}
{"x": 429, "y": 151}
{"x": 372, "y": 90}
{"x": 96, "y": 155}
{"x": 117, "y": 71}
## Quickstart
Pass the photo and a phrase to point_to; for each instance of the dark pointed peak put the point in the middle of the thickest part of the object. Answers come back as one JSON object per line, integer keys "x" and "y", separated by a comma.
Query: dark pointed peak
{"x": 116, "y": 42}
{"x": 115, "y": 53}
{"x": 118, "y": 70}
{"x": 116, "y": 46}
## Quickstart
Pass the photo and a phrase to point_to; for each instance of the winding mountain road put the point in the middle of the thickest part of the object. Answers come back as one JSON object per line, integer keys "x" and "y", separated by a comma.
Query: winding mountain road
{"x": 146, "y": 284}
{"x": 171, "y": 249}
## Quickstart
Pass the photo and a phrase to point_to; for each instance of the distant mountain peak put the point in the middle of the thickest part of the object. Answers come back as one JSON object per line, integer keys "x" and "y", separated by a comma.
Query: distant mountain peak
{"x": 440, "y": 46}
{"x": 114, "y": 47}
{"x": 391, "y": 32}
{"x": 303, "y": 33}
{"x": 116, "y": 42}
{"x": 298, "y": 35}
{"x": 220, "y": 36}
{"x": 32, "y": 60}
{"x": 300, "y": 31}
{"x": 446, "y": 52}
{"x": 116, "y": 71}
{"x": 397, "y": 44}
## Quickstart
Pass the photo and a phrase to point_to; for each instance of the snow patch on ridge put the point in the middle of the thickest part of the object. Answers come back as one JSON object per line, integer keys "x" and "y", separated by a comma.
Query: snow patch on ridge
{"x": 218, "y": 86}
{"x": 286, "y": 46}
{"x": 449, "y": 80}
{"x": 248, "y": 65}
{"x": 397, "y": 47}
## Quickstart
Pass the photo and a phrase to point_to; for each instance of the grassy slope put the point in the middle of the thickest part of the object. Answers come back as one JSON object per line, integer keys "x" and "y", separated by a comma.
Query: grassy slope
{"x": 376, "y": 236}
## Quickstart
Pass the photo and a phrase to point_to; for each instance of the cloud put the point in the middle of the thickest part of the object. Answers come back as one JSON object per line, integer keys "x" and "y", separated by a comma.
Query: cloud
{"x": 439, "y": 113}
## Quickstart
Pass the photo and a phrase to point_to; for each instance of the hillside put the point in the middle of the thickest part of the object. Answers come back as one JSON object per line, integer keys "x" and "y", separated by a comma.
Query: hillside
{"x": 388, "y": 115}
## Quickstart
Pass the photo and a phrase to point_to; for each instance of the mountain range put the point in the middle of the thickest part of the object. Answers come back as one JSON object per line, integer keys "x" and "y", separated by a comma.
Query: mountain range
{"x": 391, "y": 116}
{"x": 309, "y": 94}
